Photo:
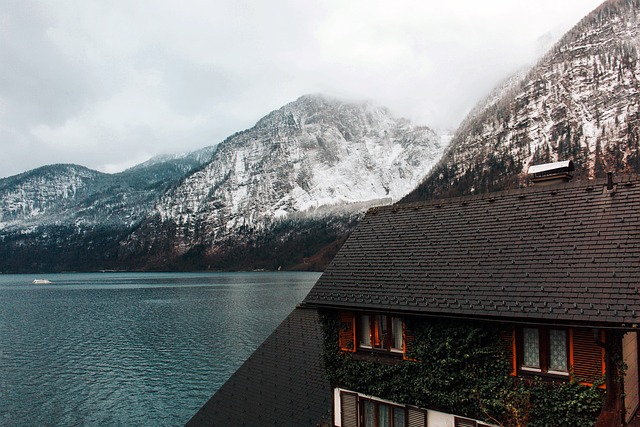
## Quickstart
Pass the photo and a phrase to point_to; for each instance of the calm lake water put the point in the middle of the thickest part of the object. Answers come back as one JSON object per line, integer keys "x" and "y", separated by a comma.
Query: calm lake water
{"x": 124, "y": 349}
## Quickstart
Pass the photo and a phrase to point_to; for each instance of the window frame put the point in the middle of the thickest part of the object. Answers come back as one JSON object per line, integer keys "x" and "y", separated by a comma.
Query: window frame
{"x": 351, "y": 413}
{"x": 544, "y": 352}
{"x": 376, "y": 412}
{"x": 385, "y": 344}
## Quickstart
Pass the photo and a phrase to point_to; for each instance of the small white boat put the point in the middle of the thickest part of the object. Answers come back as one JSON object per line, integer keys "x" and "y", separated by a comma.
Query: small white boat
{"x": 41, "y": 282}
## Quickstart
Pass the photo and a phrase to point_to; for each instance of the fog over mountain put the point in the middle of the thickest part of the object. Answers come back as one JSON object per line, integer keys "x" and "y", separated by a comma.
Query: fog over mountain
{"x": 108, "y": 85}
{"x": 581, "y": 102}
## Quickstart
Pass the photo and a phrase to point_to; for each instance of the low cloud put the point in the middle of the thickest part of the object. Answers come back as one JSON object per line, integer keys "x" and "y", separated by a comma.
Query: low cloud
{"x": 108, "y": 84}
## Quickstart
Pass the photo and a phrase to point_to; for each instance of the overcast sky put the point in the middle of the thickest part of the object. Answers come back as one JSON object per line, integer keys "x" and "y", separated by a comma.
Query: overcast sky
{"x": 109, "y": 84}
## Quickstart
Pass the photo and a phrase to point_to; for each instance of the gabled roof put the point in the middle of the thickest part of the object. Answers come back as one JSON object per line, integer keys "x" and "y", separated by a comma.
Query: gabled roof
{"x": 568, "y": 253}
{"x": 283, "y": 383}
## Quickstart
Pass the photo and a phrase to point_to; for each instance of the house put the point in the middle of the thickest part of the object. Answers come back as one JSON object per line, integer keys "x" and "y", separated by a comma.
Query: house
{"x": 512, "y": 308}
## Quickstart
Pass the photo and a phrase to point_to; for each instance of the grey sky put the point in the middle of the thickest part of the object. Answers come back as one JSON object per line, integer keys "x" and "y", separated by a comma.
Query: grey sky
{"x": 109, "y": 84}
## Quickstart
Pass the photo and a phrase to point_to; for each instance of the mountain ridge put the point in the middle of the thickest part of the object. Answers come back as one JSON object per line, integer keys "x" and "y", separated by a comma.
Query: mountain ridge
{"x": 314, "y": 152}
{"x": 303, "y": 173}
{"x": 580, "y": 102}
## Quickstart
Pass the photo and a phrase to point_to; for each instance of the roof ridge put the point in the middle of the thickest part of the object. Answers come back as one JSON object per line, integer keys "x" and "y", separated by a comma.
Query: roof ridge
{"x": 626, "y": 179}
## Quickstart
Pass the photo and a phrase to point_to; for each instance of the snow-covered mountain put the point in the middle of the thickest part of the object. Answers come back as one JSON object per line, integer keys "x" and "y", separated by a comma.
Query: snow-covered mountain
{"x": 68, "y": 217}
{"x": 167, "y": 168}
{"x": 309, "y": 155}
{"x": 45, "y": 192}
{"x": 581, "y": 101}
{"x": 302, "y": 173}
{"x": 71, "y": 194}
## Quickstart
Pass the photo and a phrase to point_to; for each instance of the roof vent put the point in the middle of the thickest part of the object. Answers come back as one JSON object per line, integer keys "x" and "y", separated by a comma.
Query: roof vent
{"x": 551, "y": 173}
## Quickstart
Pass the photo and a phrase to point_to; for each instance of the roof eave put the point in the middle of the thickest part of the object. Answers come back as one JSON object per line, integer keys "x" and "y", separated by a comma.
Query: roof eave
{"x": 536, "y": 321}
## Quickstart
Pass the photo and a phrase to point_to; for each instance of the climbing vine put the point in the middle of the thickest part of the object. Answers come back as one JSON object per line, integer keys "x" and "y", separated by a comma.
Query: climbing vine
{"x": 462, "y": 368}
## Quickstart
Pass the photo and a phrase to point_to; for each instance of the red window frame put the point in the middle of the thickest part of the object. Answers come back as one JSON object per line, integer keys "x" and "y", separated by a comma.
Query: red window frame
{"x": 379, "y": 332}
{"x": 544, "y": 352}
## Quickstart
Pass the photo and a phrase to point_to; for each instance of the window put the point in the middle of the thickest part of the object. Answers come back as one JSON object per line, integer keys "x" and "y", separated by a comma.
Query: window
{"x": 531, "y": 348}
{"x": 364, "y": 330}
{"x": 380, "y": 332}
{"x": 358, "y": 410}
{"x": 544, "y": 350}
{"x": 380, "y": 414}
{"x": 558, "y": 350}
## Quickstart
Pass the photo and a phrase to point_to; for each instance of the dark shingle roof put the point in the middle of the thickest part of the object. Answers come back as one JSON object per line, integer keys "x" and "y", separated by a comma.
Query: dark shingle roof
{"x": 281, "y": 384}
{"x": 568, "y": 253}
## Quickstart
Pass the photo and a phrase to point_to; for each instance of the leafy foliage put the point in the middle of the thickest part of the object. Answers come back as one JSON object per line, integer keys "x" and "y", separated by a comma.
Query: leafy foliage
{"x": 564, "y": 404}
{"x": 460, "y": 367}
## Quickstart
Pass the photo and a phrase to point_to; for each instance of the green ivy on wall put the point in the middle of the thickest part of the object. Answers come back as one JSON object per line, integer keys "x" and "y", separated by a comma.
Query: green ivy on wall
{"x": 460, "y": 367}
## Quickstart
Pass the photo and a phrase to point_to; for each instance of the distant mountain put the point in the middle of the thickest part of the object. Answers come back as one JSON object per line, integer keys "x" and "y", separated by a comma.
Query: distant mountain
{"x": 310, "y": 160}
{"x": 68, "y": 217}
{"x": 166, "y": 170}
{"x": 284, "y": 192}
{"x": 46, "y": 193}
{"x": 58, "y": 194}
{"x": 580, "y": 102}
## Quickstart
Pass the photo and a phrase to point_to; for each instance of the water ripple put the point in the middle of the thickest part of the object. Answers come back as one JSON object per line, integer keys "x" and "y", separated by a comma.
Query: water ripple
{"x": 130, "y": 349}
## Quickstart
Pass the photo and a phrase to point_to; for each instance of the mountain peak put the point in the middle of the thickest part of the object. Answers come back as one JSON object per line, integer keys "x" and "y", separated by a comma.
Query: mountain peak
{"x": 580, "y": 102}
{"x": 312, "y": 153}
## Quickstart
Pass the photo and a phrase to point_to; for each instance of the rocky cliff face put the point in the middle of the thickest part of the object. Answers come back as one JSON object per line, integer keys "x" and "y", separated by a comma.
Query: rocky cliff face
{"x": 580, "y": 102}
{"x": 43, "y": 193}
{"x": 288, "y": 188}
{"x": 304, "y": 160}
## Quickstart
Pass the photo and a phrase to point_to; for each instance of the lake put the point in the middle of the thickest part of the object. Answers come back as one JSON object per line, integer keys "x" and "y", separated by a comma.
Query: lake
{"x": 122, "y": 349}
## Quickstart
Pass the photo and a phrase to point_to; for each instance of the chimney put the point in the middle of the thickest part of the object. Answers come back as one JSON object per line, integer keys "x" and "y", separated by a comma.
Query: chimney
{"x": 611, "y": 186}
{"x": 551, "y": 173}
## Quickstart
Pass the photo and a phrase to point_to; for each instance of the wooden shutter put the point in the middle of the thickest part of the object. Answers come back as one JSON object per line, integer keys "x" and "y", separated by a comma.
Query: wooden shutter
{"x": 464, "y": 422}
{"x": 348, "y": 409}
{"x": 508, "y": 342}
{"x": 587, "y": 357}
{"x": 347, "y": 334}
{"x": 416, "y": 417}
